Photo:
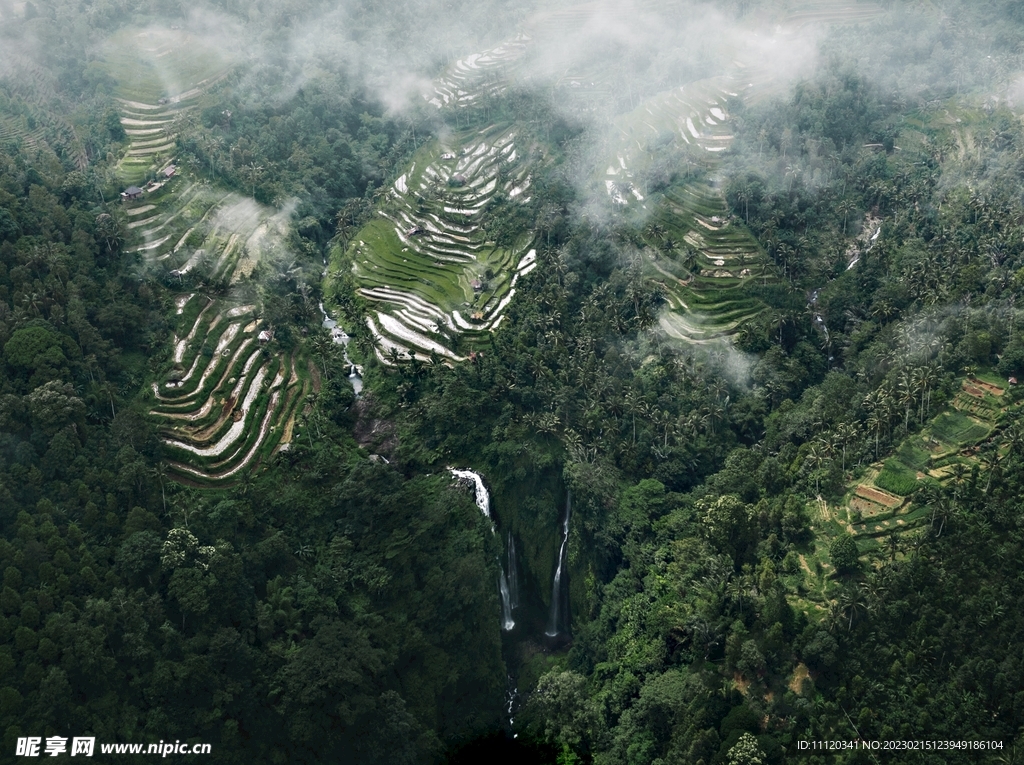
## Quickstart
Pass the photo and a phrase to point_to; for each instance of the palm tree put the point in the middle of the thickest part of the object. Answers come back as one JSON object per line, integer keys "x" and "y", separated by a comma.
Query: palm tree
{"x": 851, "y": 601}
{"x": 743, "y": 195}
{"x": 815, "y": 459}
{"x": 714, "y": 412}
{"x": 958, "y": 475}
{"x": 159, "y": 471}
{"x": 845, "y": 433}
{"x": 835, "y": 614}
{"x": 875, "y": 425}
{"x": 663, "y": 419}
{"x": 1013, "y": 438}
{"x": 991, "y": 462}
{"x": 252, "y": 173}
{"x": 654, "y": 231}
{"x": 892, "y": 544}
{"x": 919, "y": 379}
{"x": 322, "y": 347}
{"x": 634, "y": 405}
{"x": 906, "y": 398}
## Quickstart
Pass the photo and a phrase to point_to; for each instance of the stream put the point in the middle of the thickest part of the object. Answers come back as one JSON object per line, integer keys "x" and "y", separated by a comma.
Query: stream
{"x": 812, "y": 300}
{"x": 340, "y": 337}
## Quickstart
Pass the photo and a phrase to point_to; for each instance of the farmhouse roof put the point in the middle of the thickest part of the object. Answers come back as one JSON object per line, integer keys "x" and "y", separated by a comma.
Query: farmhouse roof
{"x": 133, "y": 190}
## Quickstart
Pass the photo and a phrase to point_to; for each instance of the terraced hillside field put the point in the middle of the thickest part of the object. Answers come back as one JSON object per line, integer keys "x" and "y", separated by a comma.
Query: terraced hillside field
{"x": 161, "y": 74}
{"x": 435, "y": 279}
{"x": 227, "y": 397}
{"x": 885, "y": 507}
{"x": 226, "y": 402}
{"x": 946, "y": 447}
{"x": 699, "y": 253}
{"x": 184, "y": 224}
{"x": 477, "y": 75}
{"x": 436, "y": 284}
{"x": 33, "y": 109}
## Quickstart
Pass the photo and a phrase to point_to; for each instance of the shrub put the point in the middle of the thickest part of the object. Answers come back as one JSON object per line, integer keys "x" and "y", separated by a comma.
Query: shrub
{"x": 844, "y": 554}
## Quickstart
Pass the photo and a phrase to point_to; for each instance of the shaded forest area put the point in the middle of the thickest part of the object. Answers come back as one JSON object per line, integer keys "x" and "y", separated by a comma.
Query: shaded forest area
{"x": 337, "y": 608}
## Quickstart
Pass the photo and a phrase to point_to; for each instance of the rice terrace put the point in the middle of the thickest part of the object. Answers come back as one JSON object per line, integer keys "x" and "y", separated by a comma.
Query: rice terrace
{"x": 611, "y": 382}
{"x": 226, "y": 399}
{"x": 434, "y": 273}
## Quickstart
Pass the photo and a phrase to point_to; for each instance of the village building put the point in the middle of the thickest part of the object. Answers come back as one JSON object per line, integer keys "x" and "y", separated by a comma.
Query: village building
{"x": 130, "y": 193}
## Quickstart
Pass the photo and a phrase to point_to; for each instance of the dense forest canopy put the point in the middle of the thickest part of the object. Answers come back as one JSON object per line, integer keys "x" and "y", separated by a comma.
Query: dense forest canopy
{"x": 724, "y": 355}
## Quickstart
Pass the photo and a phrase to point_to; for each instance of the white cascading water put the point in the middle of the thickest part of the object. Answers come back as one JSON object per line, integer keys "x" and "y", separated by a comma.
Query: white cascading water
{"x": 483, "y": 501}
{"x": 340, "y": 338}
{"x": 483, "y": 497}
{"x": 507, "y": 622}
{"x": 556, "y": 586}
{"x": 513, "y": 572}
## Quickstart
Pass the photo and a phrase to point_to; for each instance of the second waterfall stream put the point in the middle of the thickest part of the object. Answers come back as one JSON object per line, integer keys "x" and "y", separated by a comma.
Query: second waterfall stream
{"x": 558, "y": 589}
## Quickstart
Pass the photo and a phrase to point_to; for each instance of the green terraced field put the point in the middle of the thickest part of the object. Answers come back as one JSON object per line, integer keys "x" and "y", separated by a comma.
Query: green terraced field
{"x": 706, "y": 288}
{"x": 434, "y": 280}
{"x": 224, "y": 401}
{"x": 699, "y": 254}
{"x": 223, "y": 398}
{"x": 417, "y": 263}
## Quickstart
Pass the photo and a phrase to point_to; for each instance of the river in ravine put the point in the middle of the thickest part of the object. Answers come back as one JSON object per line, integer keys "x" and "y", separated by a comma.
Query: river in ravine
{"x": 525, "y": 629}
{"x": 340, "y": 337}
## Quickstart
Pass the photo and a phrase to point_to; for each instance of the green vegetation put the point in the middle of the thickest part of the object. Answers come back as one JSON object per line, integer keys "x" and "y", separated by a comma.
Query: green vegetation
{"x": 756, "y": 338}
{"x": 957, "y": 429}
{"x": 897, "y": 478}
{"x": 440, "y": 261}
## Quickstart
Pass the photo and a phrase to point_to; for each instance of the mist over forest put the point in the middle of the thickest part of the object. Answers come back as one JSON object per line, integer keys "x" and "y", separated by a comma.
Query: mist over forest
{"x": 626, "y": 383}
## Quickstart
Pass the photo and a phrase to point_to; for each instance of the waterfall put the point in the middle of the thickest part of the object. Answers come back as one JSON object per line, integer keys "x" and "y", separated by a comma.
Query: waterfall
{"x": 507, "y": 583}
{"x": 483, "y": 498}
{"x": 513, "y": 572}
{"x": 511, "y": 702}
{"x": 507, "y": 622}
{"x": 557, "y": 594}
{"x": 339, "y": 337}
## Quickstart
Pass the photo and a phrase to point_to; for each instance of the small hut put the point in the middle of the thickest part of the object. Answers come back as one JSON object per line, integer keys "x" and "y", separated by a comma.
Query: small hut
{"x": 131, "y": 193}
{"x": 169, "y": 171}
{"x": 477, "y": 285}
